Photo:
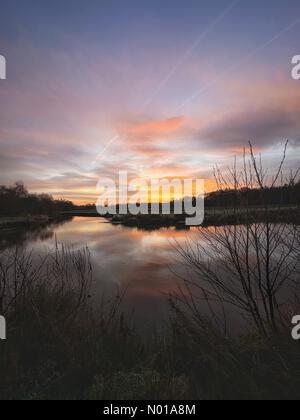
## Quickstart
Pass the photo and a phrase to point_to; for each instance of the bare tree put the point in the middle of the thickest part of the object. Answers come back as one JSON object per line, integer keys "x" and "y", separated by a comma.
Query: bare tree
{"x": 251, "y": 266}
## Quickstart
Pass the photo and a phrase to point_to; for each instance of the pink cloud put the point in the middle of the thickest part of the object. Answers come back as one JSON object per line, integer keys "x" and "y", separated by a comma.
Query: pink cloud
{"x": 157, "y": 129}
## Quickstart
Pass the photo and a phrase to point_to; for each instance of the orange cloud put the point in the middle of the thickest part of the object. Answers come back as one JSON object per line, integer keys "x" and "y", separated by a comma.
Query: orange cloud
{"x": 157, "y": 128}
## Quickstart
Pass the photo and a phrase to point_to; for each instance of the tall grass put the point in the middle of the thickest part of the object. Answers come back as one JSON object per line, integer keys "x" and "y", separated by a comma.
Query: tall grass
{"x": 56, "y": 340}
{"x": 62, "y": 345}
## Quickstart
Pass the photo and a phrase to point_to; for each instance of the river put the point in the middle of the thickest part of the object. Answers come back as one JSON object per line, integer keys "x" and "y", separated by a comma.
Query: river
{"x": 144, "y": 262}
{"x": 147, "y": 263}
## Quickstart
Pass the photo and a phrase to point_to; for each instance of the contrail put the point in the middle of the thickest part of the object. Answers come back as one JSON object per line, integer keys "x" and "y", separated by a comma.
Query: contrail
{"x": 231, "y": 69}
{"x": 190, "y": 50}
{"x": 111, "y": 141}
{"x": 177, "y": 65}
{"x": 214, "y": 82}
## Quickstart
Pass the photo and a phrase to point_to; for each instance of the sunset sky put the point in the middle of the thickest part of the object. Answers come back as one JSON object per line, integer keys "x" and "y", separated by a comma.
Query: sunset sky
{"x": 161, "y": 88}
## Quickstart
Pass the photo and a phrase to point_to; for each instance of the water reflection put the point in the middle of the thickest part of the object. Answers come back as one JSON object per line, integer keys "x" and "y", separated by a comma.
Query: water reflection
{"x": 22, "y": 237}
{"x": 143, "y": 260}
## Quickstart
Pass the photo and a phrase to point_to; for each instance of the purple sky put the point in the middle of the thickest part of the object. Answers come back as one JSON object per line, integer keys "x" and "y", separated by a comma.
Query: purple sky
{"x": 162, "y": 88}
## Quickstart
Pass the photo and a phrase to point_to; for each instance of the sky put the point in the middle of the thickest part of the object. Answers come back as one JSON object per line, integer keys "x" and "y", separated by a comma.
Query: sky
{"x": 160, "y": 88}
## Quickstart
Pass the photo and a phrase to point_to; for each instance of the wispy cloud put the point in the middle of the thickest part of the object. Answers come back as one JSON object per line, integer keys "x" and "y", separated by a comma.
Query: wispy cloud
{"x": 73, "y": 87}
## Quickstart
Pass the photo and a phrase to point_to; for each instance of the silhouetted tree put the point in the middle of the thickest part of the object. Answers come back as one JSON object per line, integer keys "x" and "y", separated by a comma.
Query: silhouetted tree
{"x": 249, "y": 266}
{"x": 16, "y": 201}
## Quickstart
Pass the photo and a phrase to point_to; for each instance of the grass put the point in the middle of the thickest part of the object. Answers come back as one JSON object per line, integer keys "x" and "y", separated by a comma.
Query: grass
{"x": 60, "y": 347}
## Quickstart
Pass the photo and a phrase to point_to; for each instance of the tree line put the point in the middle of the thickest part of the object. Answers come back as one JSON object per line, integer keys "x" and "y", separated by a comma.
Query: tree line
{"x": 16, "y": 201}
{"x": 287, "y": 195}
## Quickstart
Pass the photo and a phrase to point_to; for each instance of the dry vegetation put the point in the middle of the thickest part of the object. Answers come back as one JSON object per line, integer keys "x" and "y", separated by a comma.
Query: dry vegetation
{"x": 60, "y": 347}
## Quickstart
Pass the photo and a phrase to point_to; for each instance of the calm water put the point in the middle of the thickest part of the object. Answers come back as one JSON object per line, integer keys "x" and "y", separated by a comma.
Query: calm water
{"x": 142, "y": 260}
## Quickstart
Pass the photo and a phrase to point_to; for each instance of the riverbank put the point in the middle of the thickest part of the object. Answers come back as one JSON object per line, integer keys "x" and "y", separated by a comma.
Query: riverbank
{"x": 30, "y": 221}
{"x": 213, "y": 217}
